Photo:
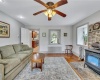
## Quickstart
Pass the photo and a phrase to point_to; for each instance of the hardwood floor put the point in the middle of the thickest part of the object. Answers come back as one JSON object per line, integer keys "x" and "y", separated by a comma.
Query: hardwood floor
{"x": 68, "y": 57}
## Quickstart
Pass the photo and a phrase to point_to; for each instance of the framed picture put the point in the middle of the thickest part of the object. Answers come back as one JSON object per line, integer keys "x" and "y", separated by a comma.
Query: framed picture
{"x": 65, "y": 34}
{"x": 4, "y": 30}
{"x": 43, "y": 34}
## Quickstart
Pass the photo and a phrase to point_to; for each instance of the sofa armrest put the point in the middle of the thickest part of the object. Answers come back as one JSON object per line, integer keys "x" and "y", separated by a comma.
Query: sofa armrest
{"x": 1, "y": 72}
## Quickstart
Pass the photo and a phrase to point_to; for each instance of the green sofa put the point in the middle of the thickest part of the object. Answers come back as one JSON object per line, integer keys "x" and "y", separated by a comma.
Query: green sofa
{"x": 13, "y": 59}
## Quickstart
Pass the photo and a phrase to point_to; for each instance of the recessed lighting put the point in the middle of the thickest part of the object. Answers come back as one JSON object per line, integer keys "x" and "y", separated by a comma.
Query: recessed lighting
{"x": 1, "y": 0}
{"x": 21, "y": 17}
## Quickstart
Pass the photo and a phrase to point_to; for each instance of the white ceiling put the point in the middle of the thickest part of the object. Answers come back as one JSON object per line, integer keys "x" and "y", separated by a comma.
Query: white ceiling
{"x": 76, "y": 10}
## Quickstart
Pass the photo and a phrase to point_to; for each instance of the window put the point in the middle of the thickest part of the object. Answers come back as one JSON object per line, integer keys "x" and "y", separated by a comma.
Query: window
{"x": 82, "y": 35}
{"x": 54, "y": 36}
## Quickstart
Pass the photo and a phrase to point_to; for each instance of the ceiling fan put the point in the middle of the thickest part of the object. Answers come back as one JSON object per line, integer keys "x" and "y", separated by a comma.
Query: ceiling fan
{"x": 50, "y": 11}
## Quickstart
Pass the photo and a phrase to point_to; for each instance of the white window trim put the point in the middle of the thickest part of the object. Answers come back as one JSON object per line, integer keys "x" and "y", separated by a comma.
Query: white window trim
{"x": 77, "y": 36}
{"x": 59, "y": 36}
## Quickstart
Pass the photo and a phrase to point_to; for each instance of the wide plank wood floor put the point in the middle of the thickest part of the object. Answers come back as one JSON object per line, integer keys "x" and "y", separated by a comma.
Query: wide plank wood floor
{"x": 68, "y": 57}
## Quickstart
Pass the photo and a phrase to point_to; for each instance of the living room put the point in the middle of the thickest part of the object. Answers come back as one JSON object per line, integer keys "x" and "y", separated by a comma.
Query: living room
{"x": 16, "y": 42}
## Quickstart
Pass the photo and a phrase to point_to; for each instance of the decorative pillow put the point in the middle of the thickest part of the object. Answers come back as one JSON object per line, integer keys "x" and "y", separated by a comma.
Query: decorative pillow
{"x": 24, "y": 47}
{"x": 17, "y": 47}
{"x": 3, "y": 61}
{"x": 6, "y": 51}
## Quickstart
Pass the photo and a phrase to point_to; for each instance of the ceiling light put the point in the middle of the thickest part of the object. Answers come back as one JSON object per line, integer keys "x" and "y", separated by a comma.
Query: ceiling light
{"x": 1, "y": 0}
{"x": 49, "y": 13}
{"x": 21, "y": 17}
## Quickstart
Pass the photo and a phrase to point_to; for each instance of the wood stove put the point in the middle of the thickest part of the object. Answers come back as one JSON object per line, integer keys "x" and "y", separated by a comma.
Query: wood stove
{"x": 92, "y": 59}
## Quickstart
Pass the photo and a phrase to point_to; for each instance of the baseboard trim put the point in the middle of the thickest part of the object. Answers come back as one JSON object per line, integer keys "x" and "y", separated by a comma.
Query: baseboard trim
{"x": 75, "y": 54}
{"x": 52, "y": 52}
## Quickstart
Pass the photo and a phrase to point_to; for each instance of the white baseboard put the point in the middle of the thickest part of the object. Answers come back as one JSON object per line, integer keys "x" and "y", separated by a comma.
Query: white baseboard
{"x": 76, "y": 54}
{"x": 51, "y": 52}
{"x": 59, "y": 52}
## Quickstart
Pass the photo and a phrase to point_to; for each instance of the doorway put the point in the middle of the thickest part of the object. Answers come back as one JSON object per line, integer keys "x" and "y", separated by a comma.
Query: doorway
{"x": 26, "y": 36}
{"x": 35, "y": 40}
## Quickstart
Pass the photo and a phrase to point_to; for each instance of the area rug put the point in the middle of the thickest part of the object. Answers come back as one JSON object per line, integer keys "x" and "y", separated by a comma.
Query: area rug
{"x": 54, "y": 68}
{"x": 85, "y": 73}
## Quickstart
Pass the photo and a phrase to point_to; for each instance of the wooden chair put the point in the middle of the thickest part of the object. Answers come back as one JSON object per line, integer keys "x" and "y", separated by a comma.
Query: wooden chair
{"x": 69, "y": 48}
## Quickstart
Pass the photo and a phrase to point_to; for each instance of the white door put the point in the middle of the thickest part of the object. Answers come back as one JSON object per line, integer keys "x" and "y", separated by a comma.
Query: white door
{"x": 26, "y": 36}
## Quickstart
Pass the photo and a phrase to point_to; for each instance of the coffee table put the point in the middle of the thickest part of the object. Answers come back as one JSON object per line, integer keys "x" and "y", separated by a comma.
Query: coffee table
{"x": 37, "y": 58}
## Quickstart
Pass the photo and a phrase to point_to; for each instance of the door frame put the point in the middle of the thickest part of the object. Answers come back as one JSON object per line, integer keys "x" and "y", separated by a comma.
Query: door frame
{"x": 39, "y": 37}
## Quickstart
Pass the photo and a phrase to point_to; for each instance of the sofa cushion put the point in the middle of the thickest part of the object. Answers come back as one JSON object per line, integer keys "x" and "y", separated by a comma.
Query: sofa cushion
{"x": 24, "y": 47}
{"x": 22, "y": 56}
{"x": 17, "y": 47}
{"x": 12, "y": 63}
{"x": 25, "y": 52}
{"x": 19, "y": 56}
{"x": 7, "y": 51}
{"x": 3, "y": 61}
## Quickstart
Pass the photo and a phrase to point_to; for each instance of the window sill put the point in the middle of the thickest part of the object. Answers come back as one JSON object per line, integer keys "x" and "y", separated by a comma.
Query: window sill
{"x": 82, "y": 45}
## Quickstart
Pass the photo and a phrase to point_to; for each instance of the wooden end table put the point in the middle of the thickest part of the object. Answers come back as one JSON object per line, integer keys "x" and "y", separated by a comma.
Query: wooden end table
{"x": 37, "y": 58}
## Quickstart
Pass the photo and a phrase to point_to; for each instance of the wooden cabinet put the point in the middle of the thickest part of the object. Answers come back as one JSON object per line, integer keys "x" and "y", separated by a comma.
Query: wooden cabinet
{"x": 34, "y": 44}
{"x": 34, "y": 34}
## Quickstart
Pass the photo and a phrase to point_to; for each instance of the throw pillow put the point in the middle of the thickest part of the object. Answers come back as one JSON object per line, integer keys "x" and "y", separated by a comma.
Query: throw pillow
{"x": 24, "y": 47}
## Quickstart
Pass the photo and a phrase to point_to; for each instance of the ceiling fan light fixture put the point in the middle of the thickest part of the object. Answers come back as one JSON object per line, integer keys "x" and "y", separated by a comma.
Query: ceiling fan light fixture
{"x": 49, "y": 13}
{"x": 50, "y": 10}
{"x": 46, "y": 13}
{"x": 53, "y": 13}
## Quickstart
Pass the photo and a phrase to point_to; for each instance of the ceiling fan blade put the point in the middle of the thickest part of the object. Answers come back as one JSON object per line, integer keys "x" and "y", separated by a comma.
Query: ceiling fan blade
{"x": 60, "y": 13}
{"x": 42, "y": 3}
{"x": 60, "y": 3}
{"x": 39, "y": 12}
